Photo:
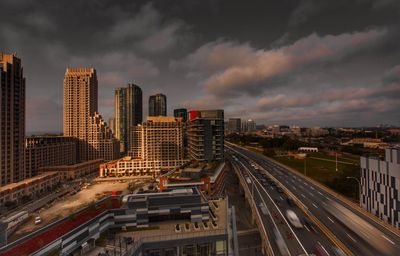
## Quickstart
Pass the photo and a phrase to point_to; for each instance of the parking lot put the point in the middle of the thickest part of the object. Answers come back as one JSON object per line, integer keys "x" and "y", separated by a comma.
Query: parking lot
{"x": 65, "y": 206}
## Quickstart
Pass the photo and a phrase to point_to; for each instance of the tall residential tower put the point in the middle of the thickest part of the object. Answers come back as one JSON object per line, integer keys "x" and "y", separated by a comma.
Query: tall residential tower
{"x": 81, "y": 119}
{"x": 206, "y": 135}
{"x": 128, "y": 112}
{"x": 12, "y": 119}
{"x": 158, "y": 105}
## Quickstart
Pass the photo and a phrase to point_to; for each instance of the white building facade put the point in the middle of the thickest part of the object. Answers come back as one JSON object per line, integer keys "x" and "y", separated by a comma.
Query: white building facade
{"x": 380, "y": 186}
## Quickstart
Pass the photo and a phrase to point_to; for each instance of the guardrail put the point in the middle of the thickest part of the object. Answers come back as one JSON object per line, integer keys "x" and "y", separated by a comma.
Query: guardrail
{"x": 253, "y": 207}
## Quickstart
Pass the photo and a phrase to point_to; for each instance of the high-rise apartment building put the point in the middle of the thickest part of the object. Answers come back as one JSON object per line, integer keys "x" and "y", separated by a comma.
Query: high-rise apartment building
{"x": 111, "y": 124}
{"x": 158, "y": 139}
{"x": 41, "y": 151}
{"x": 128, "y": 112}
{"x": 380, "y": 186}
{"x": 206, "y": 135}
{"x": 158, "y": 105}
{"x": 12, "y": 119}
{"x": 249, "y": 126}
{"x": 234, "y": 125}
{"x": 156, "y": 146}
{"x": 81, "y": 119}
{"x": 181, "y": 112}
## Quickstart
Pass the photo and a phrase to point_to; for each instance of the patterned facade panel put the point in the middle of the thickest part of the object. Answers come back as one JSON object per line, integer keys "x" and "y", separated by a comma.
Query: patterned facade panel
{"x": 380, "y": 183}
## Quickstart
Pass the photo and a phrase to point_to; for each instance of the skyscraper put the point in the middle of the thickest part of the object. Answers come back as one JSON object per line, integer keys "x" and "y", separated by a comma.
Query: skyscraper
{"x": 234, "y": 125}
{"x": 181, "y": 112}
{"x": 206, "y": 135}
{"x": 128, "y": 112}
{"x": 249, "y": 126}
{"x": 12, "y": 119}
{"x": 81, "y": 119}
{"x": 158, "y": 105}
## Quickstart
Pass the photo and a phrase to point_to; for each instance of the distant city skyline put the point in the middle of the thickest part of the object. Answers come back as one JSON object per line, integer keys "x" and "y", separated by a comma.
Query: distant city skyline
{"x": 285, "y": 62}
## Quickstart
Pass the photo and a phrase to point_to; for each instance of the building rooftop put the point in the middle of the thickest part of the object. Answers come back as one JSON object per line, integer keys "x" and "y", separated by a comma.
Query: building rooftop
{"x": 167, "y": 230}
{"x": 26, "y": 181}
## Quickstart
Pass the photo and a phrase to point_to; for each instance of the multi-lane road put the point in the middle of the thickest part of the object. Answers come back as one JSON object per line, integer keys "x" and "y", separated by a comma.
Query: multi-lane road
{"x": 272, "y": 204}
{"x": 358, "y": 233}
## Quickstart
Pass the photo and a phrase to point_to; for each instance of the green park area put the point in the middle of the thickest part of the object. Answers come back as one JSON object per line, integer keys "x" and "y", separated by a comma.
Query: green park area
{"x": 322, "y": 168}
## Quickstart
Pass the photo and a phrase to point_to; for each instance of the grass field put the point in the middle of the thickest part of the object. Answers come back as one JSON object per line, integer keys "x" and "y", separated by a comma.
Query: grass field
{"x": 322, "y": 168}
{"x": 324, "y": 171}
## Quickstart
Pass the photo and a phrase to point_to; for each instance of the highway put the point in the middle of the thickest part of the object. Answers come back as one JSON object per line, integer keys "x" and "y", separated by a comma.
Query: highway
{"x": 318, "y": 201}
{"x": 299, "y": 241}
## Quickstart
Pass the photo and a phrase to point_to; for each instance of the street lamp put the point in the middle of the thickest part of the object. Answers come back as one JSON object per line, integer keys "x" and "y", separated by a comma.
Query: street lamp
{"x": 359, "y": 187}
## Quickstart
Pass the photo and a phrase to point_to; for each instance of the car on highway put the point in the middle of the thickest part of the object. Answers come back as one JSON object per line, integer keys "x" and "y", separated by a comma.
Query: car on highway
{"x": 293, "y": 219}
{"x": 283, "y": 249}
{"x": 38, "y": 220}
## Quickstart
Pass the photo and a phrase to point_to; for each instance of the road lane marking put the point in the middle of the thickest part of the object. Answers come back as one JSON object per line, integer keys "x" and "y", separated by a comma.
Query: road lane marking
{"x": 315, "y": 205}
{"x": 294, "y": 188}
{"x": 320, "y": 193}
{"x": 311, "y": 193}
{"x": 354, "y": 240}
{"x": 306, "y": 228}
{"x": 328, "y": 198}
{"x": 323, "y": 248}
{"x": 281, "y": 198}
{"x": 390, "y": 241}
{"x": 303, "y": 195}
{"x": 331, "y": 220}
{"x": 301, "y": 245}
{"x": 312, "y": 187}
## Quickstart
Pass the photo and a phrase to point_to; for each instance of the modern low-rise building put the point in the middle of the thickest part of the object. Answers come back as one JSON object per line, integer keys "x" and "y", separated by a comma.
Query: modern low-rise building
{"x": 30, "y": 187}
{"x": 74, "y": 171}
{"x": 206, "y": 135}
{"x": 380, "y": 186}
{"x": 41, "y": 151}
{"x": 176, "y": 222}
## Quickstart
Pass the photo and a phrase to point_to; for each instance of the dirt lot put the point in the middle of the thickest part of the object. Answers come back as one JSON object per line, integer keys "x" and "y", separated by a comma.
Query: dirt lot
{"x": 65, "y": 206}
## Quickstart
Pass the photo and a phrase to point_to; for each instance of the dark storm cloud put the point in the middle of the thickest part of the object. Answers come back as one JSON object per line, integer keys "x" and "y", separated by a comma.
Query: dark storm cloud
{"x": 212, "y": 53}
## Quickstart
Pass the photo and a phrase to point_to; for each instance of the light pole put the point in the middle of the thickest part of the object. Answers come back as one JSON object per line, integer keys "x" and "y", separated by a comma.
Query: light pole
{"x": 359, "y": 187}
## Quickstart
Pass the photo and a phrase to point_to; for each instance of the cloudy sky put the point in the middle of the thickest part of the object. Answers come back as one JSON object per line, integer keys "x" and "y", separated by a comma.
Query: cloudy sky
{"x": 311, "y": 62}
